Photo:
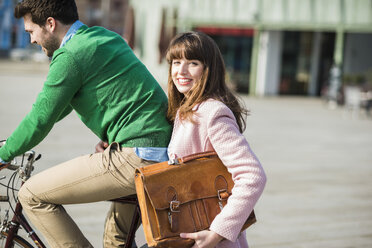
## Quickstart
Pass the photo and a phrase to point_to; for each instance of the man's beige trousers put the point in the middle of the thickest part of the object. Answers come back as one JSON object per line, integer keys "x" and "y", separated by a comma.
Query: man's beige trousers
{"x": 90, "y": 178}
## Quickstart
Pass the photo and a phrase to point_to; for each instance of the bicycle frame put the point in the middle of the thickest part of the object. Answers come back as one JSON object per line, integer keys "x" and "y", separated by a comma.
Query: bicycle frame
{"x": 17, "y": 221}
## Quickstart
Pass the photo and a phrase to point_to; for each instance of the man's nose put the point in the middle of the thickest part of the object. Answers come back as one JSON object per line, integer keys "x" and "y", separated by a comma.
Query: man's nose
{"x": 32, "y": 40}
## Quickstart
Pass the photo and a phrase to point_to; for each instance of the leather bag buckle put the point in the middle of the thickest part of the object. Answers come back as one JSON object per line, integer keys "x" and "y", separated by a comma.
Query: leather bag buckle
{"x": 222, "y": 194}
{"x": 174, "y": 206}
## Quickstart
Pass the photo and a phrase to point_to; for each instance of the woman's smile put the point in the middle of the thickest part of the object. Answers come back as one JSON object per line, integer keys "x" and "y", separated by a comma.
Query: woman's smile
{"x": 185, "y": 73}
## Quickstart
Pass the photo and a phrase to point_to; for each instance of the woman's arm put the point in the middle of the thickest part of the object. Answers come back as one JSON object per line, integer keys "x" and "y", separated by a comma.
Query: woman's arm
{"x": 247, "y": 173}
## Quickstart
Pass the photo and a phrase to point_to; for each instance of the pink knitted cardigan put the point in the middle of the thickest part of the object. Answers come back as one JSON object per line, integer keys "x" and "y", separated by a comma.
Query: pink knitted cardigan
{"x": 216, "y": 130}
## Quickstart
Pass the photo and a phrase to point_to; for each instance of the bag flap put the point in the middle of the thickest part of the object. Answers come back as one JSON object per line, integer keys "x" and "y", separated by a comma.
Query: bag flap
{"x": 184, "y": 182}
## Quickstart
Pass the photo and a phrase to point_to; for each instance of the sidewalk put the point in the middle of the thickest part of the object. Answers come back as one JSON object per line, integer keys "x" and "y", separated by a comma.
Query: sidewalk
{"x": 318, "y": 164}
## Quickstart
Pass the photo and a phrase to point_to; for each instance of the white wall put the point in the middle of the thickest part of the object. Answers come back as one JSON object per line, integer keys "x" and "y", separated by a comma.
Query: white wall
{"x": 148, "y": 25}
{"x": 269, "y": 63}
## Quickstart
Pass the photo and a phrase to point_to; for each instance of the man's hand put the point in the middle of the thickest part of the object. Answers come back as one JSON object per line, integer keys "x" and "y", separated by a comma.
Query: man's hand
{"x": 101, "y": 146}
{"x": 203, "y": 239}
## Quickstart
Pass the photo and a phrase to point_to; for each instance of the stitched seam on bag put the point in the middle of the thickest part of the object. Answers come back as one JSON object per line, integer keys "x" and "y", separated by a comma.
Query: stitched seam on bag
{"x": 189, "y": 207}
{"x": 197, "y": 213}
{"x": 206, "y": 213}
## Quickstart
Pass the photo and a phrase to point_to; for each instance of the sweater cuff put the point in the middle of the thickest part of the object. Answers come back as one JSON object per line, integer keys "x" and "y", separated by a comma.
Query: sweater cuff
{"x": 2, "y": 161}
{"x": 4, "y": 154}
{"x": 225, "y": 235}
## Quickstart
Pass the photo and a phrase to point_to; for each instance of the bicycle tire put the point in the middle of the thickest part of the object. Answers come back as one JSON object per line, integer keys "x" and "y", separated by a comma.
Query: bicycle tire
{"x": 18, "y": 241}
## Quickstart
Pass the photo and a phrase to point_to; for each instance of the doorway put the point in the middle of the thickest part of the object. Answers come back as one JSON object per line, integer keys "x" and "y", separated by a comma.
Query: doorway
{"x": 299, "y": 64}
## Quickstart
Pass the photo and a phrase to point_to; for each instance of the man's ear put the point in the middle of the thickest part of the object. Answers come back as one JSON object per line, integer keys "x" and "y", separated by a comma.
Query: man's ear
{"x": 50, "y": 24}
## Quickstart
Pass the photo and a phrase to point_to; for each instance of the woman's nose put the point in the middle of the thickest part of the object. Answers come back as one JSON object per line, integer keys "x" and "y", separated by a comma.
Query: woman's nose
{"x": 183, "y": 69}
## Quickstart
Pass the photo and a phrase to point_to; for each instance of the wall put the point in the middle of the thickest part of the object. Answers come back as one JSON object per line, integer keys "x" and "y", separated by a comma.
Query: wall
{"x": 268, "y": 69}
{"x": 358, "y": 53}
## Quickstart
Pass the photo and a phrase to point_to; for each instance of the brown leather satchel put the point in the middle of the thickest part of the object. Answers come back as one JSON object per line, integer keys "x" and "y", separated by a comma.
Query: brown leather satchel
{"x": 184, "y": 195}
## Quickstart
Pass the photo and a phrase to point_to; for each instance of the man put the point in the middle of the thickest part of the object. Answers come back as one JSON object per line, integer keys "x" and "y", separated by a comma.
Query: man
{"x": 94, "y": 72}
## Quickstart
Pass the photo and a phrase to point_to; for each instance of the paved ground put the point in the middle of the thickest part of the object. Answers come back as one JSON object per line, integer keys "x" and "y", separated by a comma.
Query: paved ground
{"x": 318, "y": 163}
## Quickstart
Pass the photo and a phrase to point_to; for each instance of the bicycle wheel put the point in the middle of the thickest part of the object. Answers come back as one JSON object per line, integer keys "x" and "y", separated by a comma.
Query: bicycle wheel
{"x": 18, "y": 241}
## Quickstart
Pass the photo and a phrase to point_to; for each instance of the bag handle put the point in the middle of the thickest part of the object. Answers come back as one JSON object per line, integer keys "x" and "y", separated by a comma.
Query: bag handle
{"x": 196, "y": 156}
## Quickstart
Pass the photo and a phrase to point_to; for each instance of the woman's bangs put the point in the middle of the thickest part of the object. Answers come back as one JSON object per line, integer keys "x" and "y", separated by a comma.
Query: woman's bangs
{"x": 186, "y": 50}
{"x": 175, "y": 52}
{"x": 192, "y": 52}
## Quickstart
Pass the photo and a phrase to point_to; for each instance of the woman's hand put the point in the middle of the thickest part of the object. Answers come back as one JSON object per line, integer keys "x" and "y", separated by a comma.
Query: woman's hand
{"x": 101, "y": 146}
{"x": 203, "y": 239}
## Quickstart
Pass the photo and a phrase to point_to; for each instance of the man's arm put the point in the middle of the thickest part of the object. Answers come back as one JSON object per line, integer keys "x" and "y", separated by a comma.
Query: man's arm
{"x": 66, "y": 112}
{"x": 62, "y": 83}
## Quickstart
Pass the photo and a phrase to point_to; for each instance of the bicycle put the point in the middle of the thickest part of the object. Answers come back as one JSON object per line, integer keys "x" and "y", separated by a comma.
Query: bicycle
{"x": 11, "y": 225}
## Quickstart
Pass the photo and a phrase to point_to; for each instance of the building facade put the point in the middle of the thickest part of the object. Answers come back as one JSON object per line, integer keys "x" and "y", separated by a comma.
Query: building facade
{"x": 12, "y": 34}
{"x": 108, "y": 13}
{"x": 270, "y": 47}
{"x": 112, "y": 14}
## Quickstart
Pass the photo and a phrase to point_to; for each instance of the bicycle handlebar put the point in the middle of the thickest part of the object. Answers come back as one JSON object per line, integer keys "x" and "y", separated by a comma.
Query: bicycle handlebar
{"x": 30, "y": 157}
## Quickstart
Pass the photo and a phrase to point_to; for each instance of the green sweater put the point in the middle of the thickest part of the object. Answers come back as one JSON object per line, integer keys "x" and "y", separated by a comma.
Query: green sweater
{"x": 96, "y": 74}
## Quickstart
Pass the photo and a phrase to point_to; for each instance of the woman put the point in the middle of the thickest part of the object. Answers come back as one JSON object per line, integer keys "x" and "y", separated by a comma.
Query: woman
{"x": 208, "y": 117}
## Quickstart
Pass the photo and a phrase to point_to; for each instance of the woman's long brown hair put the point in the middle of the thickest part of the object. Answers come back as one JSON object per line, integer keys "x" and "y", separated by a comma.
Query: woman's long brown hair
{"x": 199, "y": 46}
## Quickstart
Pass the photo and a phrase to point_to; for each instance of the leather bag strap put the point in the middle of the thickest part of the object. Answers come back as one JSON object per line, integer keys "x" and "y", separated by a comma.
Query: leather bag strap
{"x": 196, "y": 156}
{"x": 174, "y": 209}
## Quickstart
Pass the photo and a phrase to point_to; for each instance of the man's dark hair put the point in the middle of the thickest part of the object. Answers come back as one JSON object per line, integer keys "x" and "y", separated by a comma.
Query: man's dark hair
{"x": 64, "y": 11}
